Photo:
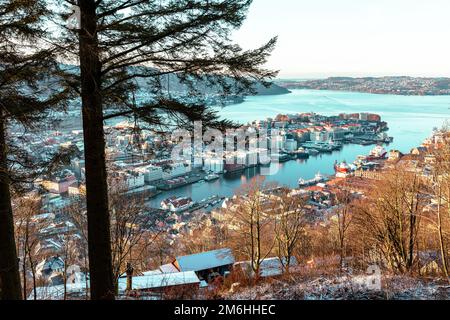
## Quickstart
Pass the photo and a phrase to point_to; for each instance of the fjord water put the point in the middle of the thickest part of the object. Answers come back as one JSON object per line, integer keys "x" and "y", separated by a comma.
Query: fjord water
{"x": 411, "y": 119}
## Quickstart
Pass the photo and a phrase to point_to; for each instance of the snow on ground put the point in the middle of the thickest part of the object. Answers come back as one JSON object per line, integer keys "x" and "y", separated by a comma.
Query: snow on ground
{"x": 346, "y": 288}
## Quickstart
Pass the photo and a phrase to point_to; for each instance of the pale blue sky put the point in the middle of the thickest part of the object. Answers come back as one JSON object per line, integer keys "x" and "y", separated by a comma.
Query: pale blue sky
{"x": 352, "y": 37}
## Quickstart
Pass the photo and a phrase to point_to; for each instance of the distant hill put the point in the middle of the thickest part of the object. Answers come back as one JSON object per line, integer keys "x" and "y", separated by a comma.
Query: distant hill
{"x": 383, "y": 85}
{"x": 274, "y": 89}
{"x": 174, "y": 85}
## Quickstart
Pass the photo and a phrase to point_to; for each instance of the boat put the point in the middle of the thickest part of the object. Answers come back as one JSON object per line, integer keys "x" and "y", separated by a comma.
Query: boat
{"x": 377, "y": 153}
{"x": 317, "y": 179}
{"x": 319, "y": 146}
{"x": 266, "y": 163}
{"x": 320, "y": 178}
{"x": 363, "y": 142}
{"x": 335, "y": 145}
{"x": 301, "y": 153}
{"x": 234, "y": 168}
{"x": 212, "y": 177}
{"x": 280, "y": 157}
{"x": 343, "y": 169}
{"x": 302, "y": 182}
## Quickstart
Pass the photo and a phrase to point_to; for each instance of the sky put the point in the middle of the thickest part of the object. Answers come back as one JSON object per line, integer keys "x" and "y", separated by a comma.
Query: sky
{"x": 320, "y": 38}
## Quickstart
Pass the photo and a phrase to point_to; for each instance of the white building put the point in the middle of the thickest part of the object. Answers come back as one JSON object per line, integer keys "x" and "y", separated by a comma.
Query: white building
{"x": 175, "y": 204}
{"x": 176, "y": 170}
{"x": 151, "y": 173}
{"x": 215, "y": 165}
{"x": 132, "y": 179}
{"x": 320, "y": 136}
{"x": 290, "y": 145}
{"x": 135, "y": 180}
{"x": 277, "y": 142}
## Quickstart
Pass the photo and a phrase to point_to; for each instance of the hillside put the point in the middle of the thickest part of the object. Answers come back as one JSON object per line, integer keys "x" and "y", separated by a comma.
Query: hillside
{"x": 345, "y": 287}
{"x": 173, "y": 84}
{"x": 383, "y": 85}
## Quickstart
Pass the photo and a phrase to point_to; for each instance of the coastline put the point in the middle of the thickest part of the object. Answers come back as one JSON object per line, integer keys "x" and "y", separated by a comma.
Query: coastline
{"x": 395, "y": 85}
{"x": 371, "y": 92}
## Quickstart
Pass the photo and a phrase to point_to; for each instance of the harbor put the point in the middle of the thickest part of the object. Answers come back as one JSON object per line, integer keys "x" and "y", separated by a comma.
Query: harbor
{"x": 286, "y": 174}
{"x": 181, "y": 181}
{"x": 305, "y": 163}
{"x": 207, "y": 196}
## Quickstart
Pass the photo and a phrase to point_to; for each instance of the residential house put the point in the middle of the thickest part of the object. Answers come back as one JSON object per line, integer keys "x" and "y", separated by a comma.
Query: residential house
{"x": 181, "y": 285}
{"x": 207, "y": 265}
{"x": 163, "y": 285}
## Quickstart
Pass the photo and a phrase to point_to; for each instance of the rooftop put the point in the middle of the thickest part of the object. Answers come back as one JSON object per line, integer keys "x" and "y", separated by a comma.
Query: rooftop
{"x": 153, "y": 281}
{"x": 205, "y": 260}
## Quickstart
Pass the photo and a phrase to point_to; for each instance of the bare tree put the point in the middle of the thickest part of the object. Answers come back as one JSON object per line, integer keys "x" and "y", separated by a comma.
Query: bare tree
{"x": 25, "y": 208}
{"x": 132, "y": 233}
{"x": 76, "y": 212}
{"x": 70, "y": 256}
{"x": 391, "y": 216}
{"x": 289, "y": 216}
{"x": 200, "y": 234}
{"x": 130, "y": 237}
{"x": 250, "y": 220}
{"x": 160, "y": 251}
{"x": 441, "y": 189}
{"x": 126, "y": 44}
{"x": 344, "y": 220}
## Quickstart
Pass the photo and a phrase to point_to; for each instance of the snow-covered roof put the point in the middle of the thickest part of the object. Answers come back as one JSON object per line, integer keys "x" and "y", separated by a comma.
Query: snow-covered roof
{"x": 49, "y": 244}
{"x": 139, "y": 283}
{"x": 160, "y": 280}
{"x": 206, "y": 260}
{"x": 43, "y": 216}
{"x": 51, "y": 263}
{"x": 57, "y": 292}
{"x": 168, "y": 268}
{"x": 151, "y": 272}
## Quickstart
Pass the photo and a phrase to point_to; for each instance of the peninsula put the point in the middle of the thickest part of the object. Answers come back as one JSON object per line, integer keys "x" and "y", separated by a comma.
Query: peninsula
{"x": 384, "y": 85}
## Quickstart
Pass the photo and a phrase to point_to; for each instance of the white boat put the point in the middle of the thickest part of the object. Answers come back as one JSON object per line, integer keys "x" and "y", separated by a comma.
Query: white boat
{"x": 377, "y": 153}
{"x": 317, "y": 179}
{"x": 212, "y": 177}
{"x": 343, "y": 169}
{"x": 302, "y": 182}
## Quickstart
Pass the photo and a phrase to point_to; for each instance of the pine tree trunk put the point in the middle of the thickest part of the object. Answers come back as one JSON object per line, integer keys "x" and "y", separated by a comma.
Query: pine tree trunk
{"x": 99, "y": 239}
{"x": 9, "y": 263}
